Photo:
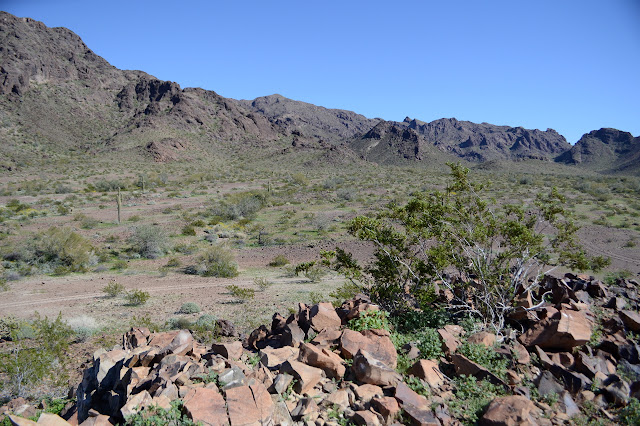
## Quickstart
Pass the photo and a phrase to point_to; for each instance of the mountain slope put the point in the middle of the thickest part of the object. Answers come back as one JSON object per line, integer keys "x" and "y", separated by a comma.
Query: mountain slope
{"x": 605, "y": 150}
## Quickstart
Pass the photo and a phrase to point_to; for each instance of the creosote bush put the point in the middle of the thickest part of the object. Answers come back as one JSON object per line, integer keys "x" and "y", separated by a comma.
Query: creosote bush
{"x": 113, "y": 289}
{"x": 137, "y": 297}
{"x": 279, "y": 260}
{"x": 241, "y": 294}
{"x": 217, "y": 261}
{"x": 484, "y": 254}
{"x": 149, "y": 241}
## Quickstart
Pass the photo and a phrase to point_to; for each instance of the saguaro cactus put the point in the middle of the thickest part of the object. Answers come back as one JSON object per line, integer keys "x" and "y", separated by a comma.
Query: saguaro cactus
{"x": 119, "y": 201}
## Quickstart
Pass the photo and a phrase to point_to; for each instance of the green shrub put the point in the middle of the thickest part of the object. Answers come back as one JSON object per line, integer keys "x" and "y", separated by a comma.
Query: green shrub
{"x": 157, "y": 416}
{"x": 346, "y": 291}
{"x": 370, "y": 320}
{"x": 119, "y": 265}
{"x": 315, "y": 273}
{"x": 4, "y": 285}
{"x": 262, "y": 283}
{"x": 486, "y": 357}
{"x": 137, "y": 297}
{"x": 481, "y": 251}
{"x": 471, "y": 398}
{"x": 189, "y": 308}
{"x": 279, "y": 260}
{"x": 113, "y": 289}
{"x": 144, "y": 321}
{"x": 612, "y": 277}
{"x": 207, "y": 321}
{"x": 150, "y": 241}
{"x": 64, "y": 249}
{"x": 174, "y": 262}
{"x": 188, "y": 230}
{"x": 178, "y": 323}
{"x": 30, "y": 360}
{"x": 217, "y": 261}
{"x": 241, "y": 294}
{"x": 630, "y": 415}
{"x": 239, "y": 205}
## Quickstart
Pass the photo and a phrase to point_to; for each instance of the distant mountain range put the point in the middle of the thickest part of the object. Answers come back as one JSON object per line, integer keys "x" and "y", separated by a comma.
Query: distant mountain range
{"x": 59, "y": 99}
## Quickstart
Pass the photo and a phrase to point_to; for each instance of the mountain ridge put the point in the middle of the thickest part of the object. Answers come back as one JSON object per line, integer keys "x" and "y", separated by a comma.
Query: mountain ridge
{"x": 56, "y": 95}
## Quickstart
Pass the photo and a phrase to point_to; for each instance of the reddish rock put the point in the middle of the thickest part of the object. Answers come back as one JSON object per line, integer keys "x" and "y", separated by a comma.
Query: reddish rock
{"x": 307, "y": 377}
{"x": 339, "y": 397}
{"x": 563, "y": 331}
{"x": 509, "y": 411}
{"x": 428, "y": 371}
{"x": 464, "y": 366}
{"x": 631, "y": 320}
{"x": 249, "y": 405}
{"x": 376, "y": 342}
{"x": 370, "y": 370}
{"x": 206, "y": 406}
{"x": 273, "y": 358}
{"x": 50, "y": 419}
{"x": 323, "y": 316}
{"x": 406, "y": 396}
{"x": 328, "y": 337}
{"x": 305, "y": 408}
{"x": 257, "y": 336}
{"x": 20, "y": 421}
{"x": 328, "y": 361}
{"x": 387, "y": 406}
{"x": 366, "y": 392}
{"x": 420, "y": 416}
{"x": 449, "y": 342}
{"x": 483, "y": 338}
{"x": 135, "y": 337}
{"x": 366, "y": 418}
{"x": 521, "y": 354}
{"x": 136, "y": 403}
{"x": 232, "y": 350}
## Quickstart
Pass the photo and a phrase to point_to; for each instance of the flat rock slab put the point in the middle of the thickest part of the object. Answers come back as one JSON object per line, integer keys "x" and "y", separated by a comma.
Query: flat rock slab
{"x": 206, "y": 406}
{"x": 250, "y": 406}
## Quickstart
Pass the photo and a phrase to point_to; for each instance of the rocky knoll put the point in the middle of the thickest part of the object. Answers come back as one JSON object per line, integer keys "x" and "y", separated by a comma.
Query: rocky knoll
{"x": 577, "y": 350}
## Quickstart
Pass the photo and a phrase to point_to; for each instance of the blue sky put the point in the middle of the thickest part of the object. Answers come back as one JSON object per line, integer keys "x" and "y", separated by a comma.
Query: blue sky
{"x": 569, "y": 65}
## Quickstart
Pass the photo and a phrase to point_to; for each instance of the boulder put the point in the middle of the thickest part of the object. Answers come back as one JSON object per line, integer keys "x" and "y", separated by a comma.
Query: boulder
{"x": 328, "y": 337}
{"x": 206, "y": 406}
{"x": 367, "y": 391}
{"x": 428, "y": 371}
{"x": 232, "y": 350}
{"x": 483, "y": 338}
{"x": 366, "y": 418}
{"x": 307, "y": 377}
{"x": 563, "y": 331}
{"x": 249, "y": 405}
{"x": 273, "y": 358}
{"x": 464, "y": 366}
{"x": 510, "y": 410}
{"x": 376, "y": 342}
{"x": 449, "y": 342}
{"x": 387, "y": 406}
{"x": 50, "y": 419}
{"x": 323, "y": 316}
{"x": 406, "y": 396}
{"x": 136, "y": 403}
{"x": 368, "y": 369}
{"x": 631, "y": 320}
{"x": 322, "y": 358}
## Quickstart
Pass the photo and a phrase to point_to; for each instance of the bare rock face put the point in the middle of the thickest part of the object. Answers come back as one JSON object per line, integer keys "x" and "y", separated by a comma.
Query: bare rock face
{"x": 232, "y": 350}
{"x": 510, "y": 410}
{"x": 562, "y": 331}
{"x": 307, "y": 377}
{"x": 631, "y": 320}
{"x": 428, "y": 371}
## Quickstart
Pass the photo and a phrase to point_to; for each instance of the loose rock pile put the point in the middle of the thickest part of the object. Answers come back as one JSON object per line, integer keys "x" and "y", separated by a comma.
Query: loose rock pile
{"x": 309, "y": 369}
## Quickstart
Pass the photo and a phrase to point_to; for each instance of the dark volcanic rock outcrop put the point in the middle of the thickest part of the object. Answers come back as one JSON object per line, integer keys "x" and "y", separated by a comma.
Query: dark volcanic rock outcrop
{"x": 471, "y": 141}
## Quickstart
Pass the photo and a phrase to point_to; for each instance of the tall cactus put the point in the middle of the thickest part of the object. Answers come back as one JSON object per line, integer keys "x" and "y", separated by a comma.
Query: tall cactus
{"x": 119, "y": 201}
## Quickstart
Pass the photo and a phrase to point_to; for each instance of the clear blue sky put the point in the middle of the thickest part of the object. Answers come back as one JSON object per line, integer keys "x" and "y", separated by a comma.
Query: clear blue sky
{"x": 571, "y": 65}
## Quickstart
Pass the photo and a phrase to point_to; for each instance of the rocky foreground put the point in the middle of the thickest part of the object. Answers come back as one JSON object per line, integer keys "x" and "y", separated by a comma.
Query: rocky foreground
{"x": 309, "y": 369}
